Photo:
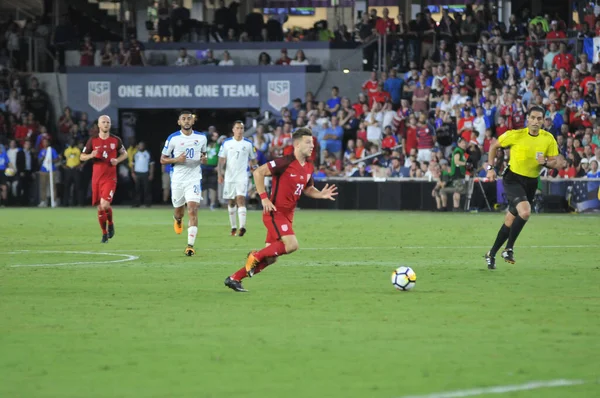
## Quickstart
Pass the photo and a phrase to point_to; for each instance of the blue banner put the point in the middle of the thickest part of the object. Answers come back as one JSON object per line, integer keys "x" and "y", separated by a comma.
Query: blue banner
{"x": 107, "y": 92}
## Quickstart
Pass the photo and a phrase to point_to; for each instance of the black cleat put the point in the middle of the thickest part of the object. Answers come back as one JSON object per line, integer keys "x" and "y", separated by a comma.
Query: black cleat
{"x": 234, "y": 285}
{"x": 242, "y": 231}
{"x": 233, "y": 231}
{"x": 104, "y": 238}
{"x": 111, "y": 230}
{"x": 508, "y": 256}
{"x": 490, "y": 260}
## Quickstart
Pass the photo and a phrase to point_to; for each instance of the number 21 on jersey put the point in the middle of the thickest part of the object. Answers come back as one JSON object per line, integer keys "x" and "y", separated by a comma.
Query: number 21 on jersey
{"x": 299, "y": 189}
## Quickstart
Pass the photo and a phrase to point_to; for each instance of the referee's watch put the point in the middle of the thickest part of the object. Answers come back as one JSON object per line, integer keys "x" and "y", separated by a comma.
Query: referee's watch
{"x": 490, "y": 167}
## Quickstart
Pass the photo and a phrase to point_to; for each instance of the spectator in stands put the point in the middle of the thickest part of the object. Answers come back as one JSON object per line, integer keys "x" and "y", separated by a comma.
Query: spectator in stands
{"x": 164, "y": 21}
{"x": 210, "y": 59}
{"x": 225, "y": 19}
{"x": 283, "y": 59}
{"x": 87, "y": 52}
{"x": 180, "y": 17}
{"x": 184, "y": 58}
{"x": 37, "y": 102}
{"x": 13, "y": 104}
{"x": 136, "y": 55}
{"x": 226, "y": 61}
{"x": 107, "y": 55}
{"x": 362, "y": 171}
{"x": 300, "y": 59}
{"x": 264, "y": 59}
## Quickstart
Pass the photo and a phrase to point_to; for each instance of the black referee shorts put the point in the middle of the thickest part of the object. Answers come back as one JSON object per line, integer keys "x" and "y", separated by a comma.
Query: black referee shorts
{"x": 517, "y": 189}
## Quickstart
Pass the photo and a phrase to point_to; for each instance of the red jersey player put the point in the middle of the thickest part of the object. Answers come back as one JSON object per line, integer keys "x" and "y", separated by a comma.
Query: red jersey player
{"x": 292, "y": 176}
{"x": 107, "y": 151}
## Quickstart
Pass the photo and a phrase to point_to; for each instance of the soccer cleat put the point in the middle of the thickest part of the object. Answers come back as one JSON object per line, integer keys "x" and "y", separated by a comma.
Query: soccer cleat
{"x": 177, "y": 226}
{"x": 251, "y": 264}
{"x": 233, "y": 231}
{"x": 111, "y": 230}
{"x": 104, "y": 238}
{"x": 234, "y": 285}
{"x": 242, "y": 231}
{"x": 508, "y": 256}
{"x": 189, "y": 251}
{"x": 490, "y": 260}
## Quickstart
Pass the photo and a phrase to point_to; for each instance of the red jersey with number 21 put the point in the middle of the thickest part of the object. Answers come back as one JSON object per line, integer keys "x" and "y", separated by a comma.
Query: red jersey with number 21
{"x": 108, "y": 149}
{"x": 290, "y": 179}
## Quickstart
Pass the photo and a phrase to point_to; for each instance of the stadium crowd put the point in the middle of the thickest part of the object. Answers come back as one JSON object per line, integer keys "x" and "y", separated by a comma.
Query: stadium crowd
{"x": 451, "y": 90}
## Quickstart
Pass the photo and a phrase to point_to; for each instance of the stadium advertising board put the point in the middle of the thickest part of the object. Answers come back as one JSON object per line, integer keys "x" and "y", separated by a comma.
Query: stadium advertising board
{"x": 106, "y": 93}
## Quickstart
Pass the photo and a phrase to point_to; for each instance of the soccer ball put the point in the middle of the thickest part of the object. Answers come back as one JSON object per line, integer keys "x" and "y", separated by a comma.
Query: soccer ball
{"x": 9, "y": 172}
{"x": 404, "y": 278}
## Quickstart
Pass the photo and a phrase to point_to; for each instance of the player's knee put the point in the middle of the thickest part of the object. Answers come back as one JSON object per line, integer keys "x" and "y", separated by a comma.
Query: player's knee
{"x": 291, "y": 247}
{"x": 525, "y": 213}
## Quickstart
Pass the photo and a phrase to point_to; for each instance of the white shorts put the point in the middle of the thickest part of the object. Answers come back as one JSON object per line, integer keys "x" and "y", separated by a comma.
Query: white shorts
{"x": 182, "y": 193}
{"x": 235, "y": 188}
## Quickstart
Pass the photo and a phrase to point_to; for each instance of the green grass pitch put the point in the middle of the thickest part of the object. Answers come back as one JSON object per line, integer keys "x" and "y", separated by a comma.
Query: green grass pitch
{"x": 136, "y": 318}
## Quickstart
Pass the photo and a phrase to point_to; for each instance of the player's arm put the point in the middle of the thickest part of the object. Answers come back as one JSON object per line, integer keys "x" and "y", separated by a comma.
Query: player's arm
{"x": 259, "y": 181}
{"x": 552, "y": 159}
{"x": 221, "y": 169}
{"x": 88, "y": 152}
{"x": 122, "y": 156}
{"x": 328, "y": 192}
{"x": 164, "y": 159}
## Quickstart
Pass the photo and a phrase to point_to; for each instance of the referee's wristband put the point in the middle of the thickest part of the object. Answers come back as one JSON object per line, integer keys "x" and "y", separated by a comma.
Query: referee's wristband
{"x": 263, "y": 196}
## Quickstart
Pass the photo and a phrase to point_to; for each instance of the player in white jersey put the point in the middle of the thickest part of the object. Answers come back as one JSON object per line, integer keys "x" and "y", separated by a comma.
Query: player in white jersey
{"x": 186, "y": 150}
{"x": 234, "y": 154}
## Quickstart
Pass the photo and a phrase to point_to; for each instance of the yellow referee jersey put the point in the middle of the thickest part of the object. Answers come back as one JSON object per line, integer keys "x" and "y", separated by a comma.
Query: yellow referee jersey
{"x": 524, "y": 149}
{"x": 71, "y": 155}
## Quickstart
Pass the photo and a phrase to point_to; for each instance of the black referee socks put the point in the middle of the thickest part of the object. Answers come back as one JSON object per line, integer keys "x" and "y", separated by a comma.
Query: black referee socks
{"x": 515, "y": 230}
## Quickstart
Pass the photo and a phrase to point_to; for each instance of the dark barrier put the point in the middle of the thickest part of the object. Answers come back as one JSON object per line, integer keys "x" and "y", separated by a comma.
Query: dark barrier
{"x": 373, "y": 195}
{"x": 556, "y": 195}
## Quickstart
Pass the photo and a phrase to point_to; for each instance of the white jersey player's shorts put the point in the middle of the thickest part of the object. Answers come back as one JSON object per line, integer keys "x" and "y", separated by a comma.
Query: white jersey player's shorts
{"x": 235, "y": 188}
{"x": 182, "y": 193}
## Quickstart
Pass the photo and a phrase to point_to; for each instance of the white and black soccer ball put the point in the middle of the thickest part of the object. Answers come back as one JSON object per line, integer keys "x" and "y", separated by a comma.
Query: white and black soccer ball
{"x": 404, "y": 278}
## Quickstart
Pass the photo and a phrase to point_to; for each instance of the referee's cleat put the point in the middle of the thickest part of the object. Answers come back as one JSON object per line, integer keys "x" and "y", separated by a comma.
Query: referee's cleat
{"x": 508, "y": 256}
{"x": 490, "y": 260}
{"x": 234, "y": 285}
{"x": 242, "y": 231}
{"x": 111, "y": 230}
{"x": 233, "y": 231}
{"x": 251, "y": 264}
{"x": 189, "y": 251}
{"x": 178, "y": 226}
{"x": 104, "y": 238}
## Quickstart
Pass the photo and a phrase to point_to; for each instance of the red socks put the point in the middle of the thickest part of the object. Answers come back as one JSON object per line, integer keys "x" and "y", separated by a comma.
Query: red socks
{"x": 274, "y": 250}
{"x": 109, "y": 216}
{"x": 102, "y": 220}
{"x": 241, "y": 273}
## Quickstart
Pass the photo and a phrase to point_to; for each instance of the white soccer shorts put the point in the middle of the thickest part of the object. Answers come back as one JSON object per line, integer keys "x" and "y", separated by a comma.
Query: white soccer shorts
{"x": 235, "y": 188}
{"x": 182, "y": 193}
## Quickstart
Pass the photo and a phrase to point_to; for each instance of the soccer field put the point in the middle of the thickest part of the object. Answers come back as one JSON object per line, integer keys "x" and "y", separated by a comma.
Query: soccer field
{"x": 136, "y": 318}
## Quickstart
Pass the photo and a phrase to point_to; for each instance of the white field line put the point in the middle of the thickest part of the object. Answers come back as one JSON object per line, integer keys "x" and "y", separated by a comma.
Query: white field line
{"x": 124, "y": 258}
{"x": 288, "y": 262}
{"x": 532, "y": 385}
{"x": 204, "y": 249}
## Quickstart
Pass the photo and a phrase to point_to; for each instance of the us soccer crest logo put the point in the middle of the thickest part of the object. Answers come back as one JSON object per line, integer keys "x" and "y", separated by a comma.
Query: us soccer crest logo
{"x": 112, "y": 146}
{"x": 278, "y": 93}
{"x": 99, "y": 95}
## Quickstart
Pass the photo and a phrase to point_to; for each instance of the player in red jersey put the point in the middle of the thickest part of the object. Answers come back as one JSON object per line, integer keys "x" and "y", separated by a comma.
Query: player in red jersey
{"x": 292, "y": 176}
{"x": 107, "y": 151}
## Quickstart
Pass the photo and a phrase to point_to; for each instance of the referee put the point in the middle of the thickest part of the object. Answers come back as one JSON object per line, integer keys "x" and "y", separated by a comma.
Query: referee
{"x": 143, "y": 174}
{"x": 531, "y": 149}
